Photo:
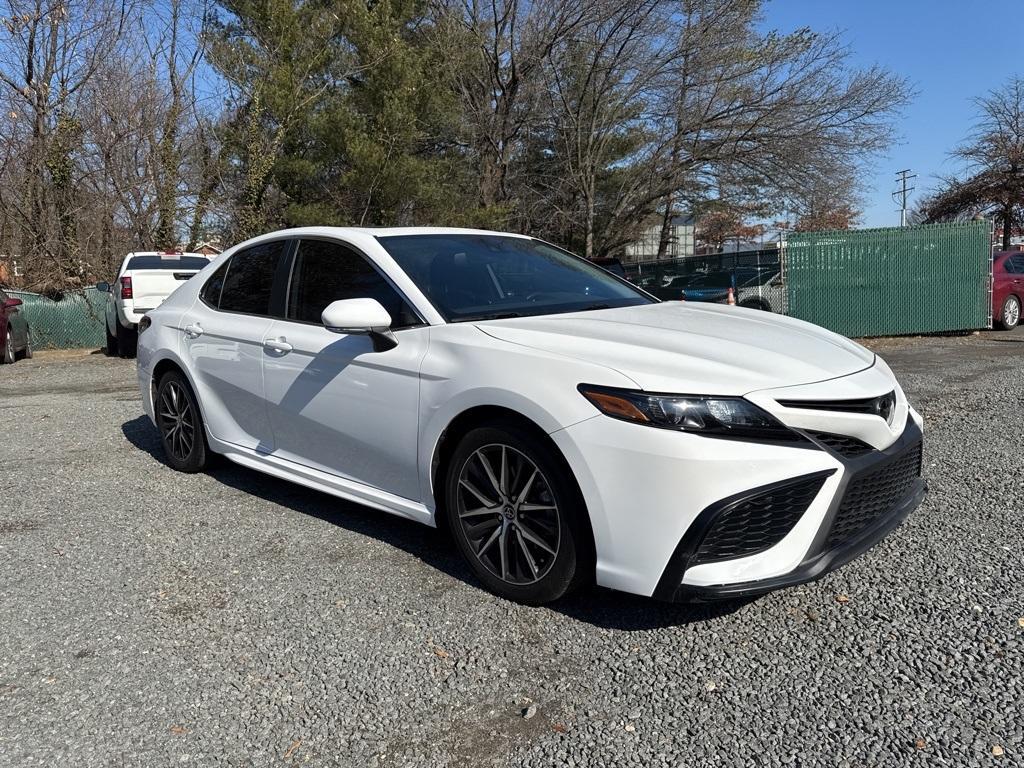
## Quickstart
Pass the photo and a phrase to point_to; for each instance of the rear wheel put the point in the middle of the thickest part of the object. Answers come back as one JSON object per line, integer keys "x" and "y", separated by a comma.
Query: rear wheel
{"x": 516, "y": 515}
{"x": 1010, "y": 315}
{"x": 26, "y": 353}
{"x": 111, "y": 348}
{"x": 127, "y": 339}
{"x": 180, "y": 424}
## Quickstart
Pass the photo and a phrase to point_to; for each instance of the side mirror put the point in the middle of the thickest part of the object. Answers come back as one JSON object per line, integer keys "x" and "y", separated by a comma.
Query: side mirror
{"x": 103, "y": 286}
{"x": 12, "y": 303}
{"x": 361, "y": 316}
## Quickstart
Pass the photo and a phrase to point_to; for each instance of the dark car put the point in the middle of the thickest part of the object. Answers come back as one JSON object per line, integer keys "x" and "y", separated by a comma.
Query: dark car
{"x": 750, "y": 287}
{"x": 15, "y": 336}
{"x": 1007, "y": 288}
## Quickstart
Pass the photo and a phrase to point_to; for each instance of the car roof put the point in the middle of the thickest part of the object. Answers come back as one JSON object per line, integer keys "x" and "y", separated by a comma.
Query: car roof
{"x": 388, "y": 231}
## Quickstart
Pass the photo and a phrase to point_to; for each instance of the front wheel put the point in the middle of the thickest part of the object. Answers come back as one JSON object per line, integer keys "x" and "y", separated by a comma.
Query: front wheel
{"x": 1010, "y": 315}
{"x": 180, "y": 424}
{"x": 517, "y": 516}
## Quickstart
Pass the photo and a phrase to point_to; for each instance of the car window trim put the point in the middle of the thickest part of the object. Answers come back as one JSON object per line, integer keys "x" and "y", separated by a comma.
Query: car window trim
{"x": 359, "y": 252}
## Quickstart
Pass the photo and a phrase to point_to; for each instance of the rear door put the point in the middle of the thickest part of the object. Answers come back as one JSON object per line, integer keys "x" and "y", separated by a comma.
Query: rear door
{"x": 335, "y": 404}
{"x": 223, "y": 337}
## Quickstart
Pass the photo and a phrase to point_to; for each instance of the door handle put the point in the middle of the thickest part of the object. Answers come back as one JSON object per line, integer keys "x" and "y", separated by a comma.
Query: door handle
{"x": 193, "y": 330}
{"x": 278, "y": 345}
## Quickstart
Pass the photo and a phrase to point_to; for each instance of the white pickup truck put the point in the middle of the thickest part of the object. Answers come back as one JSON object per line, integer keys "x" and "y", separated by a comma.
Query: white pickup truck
{"x": 145, "y": 279}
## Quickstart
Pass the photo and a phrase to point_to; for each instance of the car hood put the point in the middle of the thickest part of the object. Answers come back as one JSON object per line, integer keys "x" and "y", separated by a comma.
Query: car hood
{"x": 692, "y": 349}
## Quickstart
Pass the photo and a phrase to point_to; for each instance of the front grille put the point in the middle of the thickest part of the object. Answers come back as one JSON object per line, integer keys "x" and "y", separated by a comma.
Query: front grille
{"x": 871, "y": 495}
{"x": 844, "y": 445}
{"x": 871, "y": 406}
{"x": 758, "y": 522}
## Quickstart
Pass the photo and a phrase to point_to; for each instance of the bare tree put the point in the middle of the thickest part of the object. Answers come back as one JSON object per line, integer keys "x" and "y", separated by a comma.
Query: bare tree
{"x": 993, "y": 156}
{"x": 504, "y": 47}
{"x": 53, "y": 50}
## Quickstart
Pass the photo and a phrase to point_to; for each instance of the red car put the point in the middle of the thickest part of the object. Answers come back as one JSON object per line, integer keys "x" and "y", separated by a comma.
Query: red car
{"x": 1007, "y": 288}
{"x": 15, "y": 337}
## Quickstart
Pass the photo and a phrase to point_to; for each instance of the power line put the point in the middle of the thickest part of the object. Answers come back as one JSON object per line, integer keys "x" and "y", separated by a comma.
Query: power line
{"x": 901, "y": 194}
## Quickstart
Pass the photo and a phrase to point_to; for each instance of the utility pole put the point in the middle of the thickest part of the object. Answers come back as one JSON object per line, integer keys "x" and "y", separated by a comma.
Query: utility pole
{"x": 901, "y": 194}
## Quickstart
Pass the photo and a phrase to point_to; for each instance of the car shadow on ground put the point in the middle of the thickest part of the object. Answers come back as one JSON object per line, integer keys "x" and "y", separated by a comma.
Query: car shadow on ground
{"x": 597, "y": 606}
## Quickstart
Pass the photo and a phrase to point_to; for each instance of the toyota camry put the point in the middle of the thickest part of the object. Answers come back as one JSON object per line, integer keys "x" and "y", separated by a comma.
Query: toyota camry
{"x": 566, "y": 426}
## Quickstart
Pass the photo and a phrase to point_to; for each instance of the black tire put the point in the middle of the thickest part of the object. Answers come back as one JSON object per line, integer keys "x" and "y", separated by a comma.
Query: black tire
{"x": 1009, "y": 316}
{"x": 26, "y": 353}
{"x": 127, "y": 341}
{"x": 111, "y": 348}
{"x": 175, "y": 404}
{"x": 761, "y": 304}
{"x": 8, "y": 356}
{"x": 566, "y": 561}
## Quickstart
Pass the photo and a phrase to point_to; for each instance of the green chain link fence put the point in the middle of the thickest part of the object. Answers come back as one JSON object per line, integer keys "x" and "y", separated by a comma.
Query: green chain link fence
{"x": 887, "y": 282}
{"x": 76, "y": 321}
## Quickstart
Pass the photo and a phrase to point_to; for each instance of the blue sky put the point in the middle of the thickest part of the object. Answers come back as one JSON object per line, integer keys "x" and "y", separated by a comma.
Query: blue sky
{"x": 951, "y": 51}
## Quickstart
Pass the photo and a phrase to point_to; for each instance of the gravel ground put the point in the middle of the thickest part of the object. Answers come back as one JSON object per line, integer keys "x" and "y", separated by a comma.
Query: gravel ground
{"x": 150, "y": 618}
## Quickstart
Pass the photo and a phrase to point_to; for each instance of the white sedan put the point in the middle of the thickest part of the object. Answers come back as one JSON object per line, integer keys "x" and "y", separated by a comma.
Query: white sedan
{"x": 566, "y": 426}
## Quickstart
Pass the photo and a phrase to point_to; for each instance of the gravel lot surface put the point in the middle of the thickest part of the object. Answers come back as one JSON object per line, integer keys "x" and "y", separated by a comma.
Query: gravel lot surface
{"x": 149, "y": 618}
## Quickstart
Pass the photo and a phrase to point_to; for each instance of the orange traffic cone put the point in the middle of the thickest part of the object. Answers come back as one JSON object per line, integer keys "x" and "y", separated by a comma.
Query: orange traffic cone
{"x": 731, "y": 297}
{"x": 682, "y": 295}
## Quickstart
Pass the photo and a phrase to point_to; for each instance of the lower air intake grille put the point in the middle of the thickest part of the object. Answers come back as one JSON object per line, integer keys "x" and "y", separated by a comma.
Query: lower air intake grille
{"x": 870, "y": 496}
{"x": 844, "y": 445}
{"x": 759, "y": 522}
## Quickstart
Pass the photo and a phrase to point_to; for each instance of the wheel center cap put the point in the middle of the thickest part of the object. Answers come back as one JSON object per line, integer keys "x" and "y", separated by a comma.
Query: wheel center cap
{"x": 508, "y": 512}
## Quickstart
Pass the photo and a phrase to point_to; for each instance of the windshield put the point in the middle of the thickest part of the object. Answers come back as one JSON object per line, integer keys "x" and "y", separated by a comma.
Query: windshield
{"x": 481, "y": 277}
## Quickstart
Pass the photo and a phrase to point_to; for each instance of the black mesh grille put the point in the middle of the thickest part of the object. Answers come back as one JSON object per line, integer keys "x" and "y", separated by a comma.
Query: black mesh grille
{"x": 872, "y": 406}
{"x": 844, "y": 445}
{"x": 757, "y": 523}
{"x": 870, "y": 496}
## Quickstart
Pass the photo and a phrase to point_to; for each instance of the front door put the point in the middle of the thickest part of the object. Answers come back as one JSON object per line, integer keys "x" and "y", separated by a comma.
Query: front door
{"x": 335, "y": 404}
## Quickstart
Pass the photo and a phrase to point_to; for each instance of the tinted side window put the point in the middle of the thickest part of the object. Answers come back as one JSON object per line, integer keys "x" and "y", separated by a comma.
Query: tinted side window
{"x": 1015, "y": 265}
{"x": 325, "y": 271}
{"x": 249, "y": 282}
{"x": 211, "y": 291}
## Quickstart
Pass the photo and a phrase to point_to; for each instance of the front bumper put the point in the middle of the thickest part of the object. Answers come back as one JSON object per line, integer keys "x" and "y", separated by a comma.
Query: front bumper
{"x": 833, "y": 546}
{"x": 646, "y": 489}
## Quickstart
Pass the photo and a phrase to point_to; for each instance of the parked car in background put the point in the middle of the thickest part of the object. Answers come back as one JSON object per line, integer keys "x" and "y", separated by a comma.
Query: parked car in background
{"x": 753, "y": 287}
{"x": 1007, "y": 288}
{"x": 566, "y": 426}
{"x": 15, "y": 335}
{"x": 145, "y": 279}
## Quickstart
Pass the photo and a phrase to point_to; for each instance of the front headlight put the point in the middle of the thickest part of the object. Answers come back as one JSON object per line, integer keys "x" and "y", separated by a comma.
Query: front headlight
{"x": 719, "y": 416}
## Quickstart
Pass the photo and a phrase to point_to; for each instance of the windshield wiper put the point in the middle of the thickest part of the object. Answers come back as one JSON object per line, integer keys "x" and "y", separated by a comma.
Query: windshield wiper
{"x": 593, "y": 306}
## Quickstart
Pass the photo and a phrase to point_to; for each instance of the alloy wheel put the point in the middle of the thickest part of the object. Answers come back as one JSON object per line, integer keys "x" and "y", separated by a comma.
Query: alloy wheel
{"x": 1011, "y": 312}
{"x": 509, "y": 515}
{"x": 177, "y": 422}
